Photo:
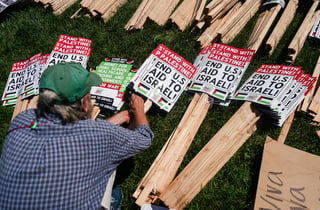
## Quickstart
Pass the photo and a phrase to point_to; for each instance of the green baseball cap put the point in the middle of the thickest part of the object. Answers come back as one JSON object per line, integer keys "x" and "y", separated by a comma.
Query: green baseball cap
{"x": 70, "y": 81}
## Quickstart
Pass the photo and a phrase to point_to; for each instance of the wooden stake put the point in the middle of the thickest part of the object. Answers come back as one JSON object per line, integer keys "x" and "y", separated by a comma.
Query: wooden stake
{"x": 166, "y": 169}
{"x": 285, "y": 128}
{"x": 17, "y": 108}
{"x": 298, "y": 41}
{"x": 262, "y": 27}
{"x": 152, "y": 169}
{"x": 210, "y": 34}
{"x": 211, "y": 158}
{"x": 162, "y": 10}
{"x": 185, "y": 14}
{"x": 236, "y": 23}
{"x": 140, "y": 16}
{"x": 277, "y": 33}
{"x": 309, "y": 97}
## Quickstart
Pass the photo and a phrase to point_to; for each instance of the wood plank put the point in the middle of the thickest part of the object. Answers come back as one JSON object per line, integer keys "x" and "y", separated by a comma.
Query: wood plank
{"x": 284, "y": 21}
{"x": 155, "y": 164}
{"x": 162, "y": 10}
{"x": 17, "y": 108}
{"x": 184, "y": 14}
{"x": 285, "y": 128}
{"x": 309, "y": 97}
{"x": 210, "y": 34}
{"x": 262, "y": 27}
{"x": 139, "y": 16}
{"x": 180, "y": 143}
{"x": 299, "y": 39}
{"x": 211, "y": 158}
{"x": 233, "y": 27}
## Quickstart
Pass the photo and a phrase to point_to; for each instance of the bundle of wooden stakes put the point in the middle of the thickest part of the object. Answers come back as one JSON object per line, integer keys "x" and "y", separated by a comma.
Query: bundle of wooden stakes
{"x": 103, "y": 8}
{"x": 156, "y": 10}
{"x": 58, "y": 6}
{"x": 228, "y": 21}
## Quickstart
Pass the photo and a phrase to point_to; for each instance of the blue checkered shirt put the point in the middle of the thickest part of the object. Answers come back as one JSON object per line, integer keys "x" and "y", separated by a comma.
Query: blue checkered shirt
{"x": 63, "y": 166}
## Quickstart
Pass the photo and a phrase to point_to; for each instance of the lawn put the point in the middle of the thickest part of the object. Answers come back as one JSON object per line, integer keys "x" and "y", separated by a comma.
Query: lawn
{"x": 28, "y": 28}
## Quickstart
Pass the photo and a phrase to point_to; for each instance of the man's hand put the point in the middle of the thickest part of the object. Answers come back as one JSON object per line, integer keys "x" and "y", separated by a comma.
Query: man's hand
{"x": 137, "y": 111}
{"x": 120, "y": 118}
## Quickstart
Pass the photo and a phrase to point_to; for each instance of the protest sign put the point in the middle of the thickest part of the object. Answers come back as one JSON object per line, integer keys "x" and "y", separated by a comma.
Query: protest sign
{"x": 163, "y": 77}
{"x": 116, "y": 75}
{"x": 24, "y": 79}
{"x": 315, "y": 31}
{"x": 31, "y": 71}
{"x": 14, "y": 83}
{"x": 219, "y": 70}
{"x": 289, "y": 178}
{"x": 278, "y": 88}
{"x": 267, "y": 83}
{"x": 70, "y": 49}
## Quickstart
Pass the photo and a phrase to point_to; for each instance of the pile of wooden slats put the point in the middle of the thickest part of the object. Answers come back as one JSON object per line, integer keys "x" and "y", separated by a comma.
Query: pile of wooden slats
{"x": 262, "y": 26}
{"x": 58, "y": 6}
{"x": 227, "y": 25}
{"x": 158, "y": 11}
{"x": 102, "y": 8}
{"x": 188, "y": 12}
{"x": 166, "y": 165}
{"x": 159, "y": 187}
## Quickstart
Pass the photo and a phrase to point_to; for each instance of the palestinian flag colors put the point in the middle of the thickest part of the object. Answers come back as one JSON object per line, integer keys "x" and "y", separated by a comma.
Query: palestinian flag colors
{"x": 163, "y": 77}
{"x": 24, "y": 75}
{"x": 219, "y": 70}
{"x": 279, "y": 88}
{"x": 315, "y": 31}
{"x": 24, "y": 79}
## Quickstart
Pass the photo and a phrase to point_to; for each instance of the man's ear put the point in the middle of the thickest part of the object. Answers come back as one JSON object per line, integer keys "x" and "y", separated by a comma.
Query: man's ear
{"x": 86, "y": 102}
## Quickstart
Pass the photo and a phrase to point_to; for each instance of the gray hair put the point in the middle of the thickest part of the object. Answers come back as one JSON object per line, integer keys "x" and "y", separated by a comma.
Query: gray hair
{"x": 50, "y": 103}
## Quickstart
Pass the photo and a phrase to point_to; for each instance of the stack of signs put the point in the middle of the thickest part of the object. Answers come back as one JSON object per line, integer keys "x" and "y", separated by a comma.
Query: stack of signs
{"x": 5, "y": 3}
{"x": 315, "y": 31}
{"x": 220, "y": 69}
{"x": 70, "y": 49}
{"x": 276, "y": 90}
{"x": 24, "y": 78}
{"x": 116, "y": 76}
{"x": 163, "y": 77}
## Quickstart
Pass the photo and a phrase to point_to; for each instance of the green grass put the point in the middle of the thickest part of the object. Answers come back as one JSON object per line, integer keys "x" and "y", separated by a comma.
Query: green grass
{"x": 28, "y": 29}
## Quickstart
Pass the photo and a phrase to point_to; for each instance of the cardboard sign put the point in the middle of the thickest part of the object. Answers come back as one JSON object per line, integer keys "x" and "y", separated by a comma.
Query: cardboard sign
{"x": 289, "y": 178}
{"x": 163, "y": 77}
{"x": 219, "y": 70}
